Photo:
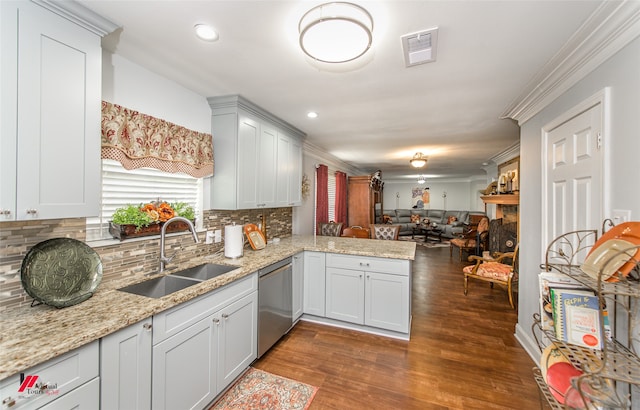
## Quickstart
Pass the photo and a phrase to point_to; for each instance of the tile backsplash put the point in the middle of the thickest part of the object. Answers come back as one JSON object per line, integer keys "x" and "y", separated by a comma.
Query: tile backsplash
{"x": 130, "y": 257}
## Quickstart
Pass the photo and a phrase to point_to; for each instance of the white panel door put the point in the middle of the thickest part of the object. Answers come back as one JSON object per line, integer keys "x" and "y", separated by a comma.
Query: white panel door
{"x": 387, "y": 301}
{"x": 58, "y": 172}
{"x": 267, "y": 167}
{"x": 574, "y": 166}
{"x": 313, "y": 300}
{"x": 345, "y": 295}
{"x": 248, "y": 139}
{"x": 125, "y": 368}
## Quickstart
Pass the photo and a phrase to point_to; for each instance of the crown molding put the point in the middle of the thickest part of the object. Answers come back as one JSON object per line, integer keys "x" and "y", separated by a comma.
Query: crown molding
{"x": 320, "y": 155}
{"x": 511, "y": 152}
{"x": 613, "y": 25}
{"x": 79, "y": 14}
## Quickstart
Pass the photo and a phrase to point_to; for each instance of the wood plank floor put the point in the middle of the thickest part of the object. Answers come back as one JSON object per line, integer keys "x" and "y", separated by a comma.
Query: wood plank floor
{"x": 462, "y": 353}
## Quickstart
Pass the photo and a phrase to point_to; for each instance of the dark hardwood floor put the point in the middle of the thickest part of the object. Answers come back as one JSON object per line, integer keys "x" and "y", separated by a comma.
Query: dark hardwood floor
{"x": 462, "y": 353}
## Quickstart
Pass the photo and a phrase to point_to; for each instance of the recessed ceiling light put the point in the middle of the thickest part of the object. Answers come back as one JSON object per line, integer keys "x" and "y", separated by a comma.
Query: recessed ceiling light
{"x": 206, "y": 32}
{"x": 312, "y": 114}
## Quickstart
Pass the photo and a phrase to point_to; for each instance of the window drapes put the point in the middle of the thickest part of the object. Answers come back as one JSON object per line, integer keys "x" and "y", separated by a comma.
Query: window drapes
{"x": 138, "y": 140}
{"x": 341, "y": 197}
{"x": 322, "y": 194}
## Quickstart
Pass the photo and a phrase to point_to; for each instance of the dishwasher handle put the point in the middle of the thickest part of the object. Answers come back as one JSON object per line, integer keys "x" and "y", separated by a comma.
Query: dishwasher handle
{"x": 264, "y": 275}
{"x": 274, "y": 267}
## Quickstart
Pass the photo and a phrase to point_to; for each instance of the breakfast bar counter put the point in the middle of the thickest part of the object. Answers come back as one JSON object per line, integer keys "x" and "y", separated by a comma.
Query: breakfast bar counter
{"x": 33, "y": 335}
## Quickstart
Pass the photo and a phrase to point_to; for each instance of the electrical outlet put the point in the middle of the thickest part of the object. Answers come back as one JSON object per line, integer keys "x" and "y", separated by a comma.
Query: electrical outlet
{"x": 621, "y": 215}
{"x": 209, "y": 238}
{"x": 217, "y": 236}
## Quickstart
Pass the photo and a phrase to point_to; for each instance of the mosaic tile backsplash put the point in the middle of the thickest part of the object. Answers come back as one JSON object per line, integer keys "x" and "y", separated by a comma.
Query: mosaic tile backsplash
{"x": 130, "y": 257}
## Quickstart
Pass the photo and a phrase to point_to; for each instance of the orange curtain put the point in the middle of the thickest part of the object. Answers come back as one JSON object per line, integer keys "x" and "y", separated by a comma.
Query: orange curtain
{"x": 341, "y": 197}
{"x": 138, "y": 140}
{"x": 322, "y": 194}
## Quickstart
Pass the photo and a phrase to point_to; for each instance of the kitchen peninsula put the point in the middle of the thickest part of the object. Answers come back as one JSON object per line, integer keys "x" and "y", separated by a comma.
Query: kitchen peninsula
{"x": 34, "y": 335}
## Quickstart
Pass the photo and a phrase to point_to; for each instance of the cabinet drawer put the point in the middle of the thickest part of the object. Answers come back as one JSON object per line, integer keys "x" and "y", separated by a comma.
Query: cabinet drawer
{"x": 167, "y": 324}
{"x": 86, "y": 397}
{"x": 369, "y": 264}
{"x": 62, "y": 374}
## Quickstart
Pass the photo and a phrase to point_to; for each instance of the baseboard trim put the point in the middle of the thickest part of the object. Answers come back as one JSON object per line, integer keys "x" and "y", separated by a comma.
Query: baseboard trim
{"x": 528, "y": 343}
{"x": 352, "y": 326}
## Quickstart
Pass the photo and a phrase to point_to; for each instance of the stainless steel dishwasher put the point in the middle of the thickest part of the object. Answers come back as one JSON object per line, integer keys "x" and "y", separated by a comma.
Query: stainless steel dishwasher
{"x": 275, "y": 315}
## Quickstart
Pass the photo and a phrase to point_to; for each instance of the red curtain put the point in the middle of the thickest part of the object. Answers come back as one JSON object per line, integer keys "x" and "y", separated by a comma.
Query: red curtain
{"x": 322, "y": 194}
{"x": 341, "y": 197}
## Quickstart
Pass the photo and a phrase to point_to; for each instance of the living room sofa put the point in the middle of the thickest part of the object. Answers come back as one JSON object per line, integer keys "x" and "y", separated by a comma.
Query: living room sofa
{"x": 451, "y": 223}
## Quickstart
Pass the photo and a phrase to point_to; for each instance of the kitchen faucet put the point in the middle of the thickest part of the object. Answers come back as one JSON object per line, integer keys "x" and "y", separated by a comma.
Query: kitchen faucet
{"x": 163, "y": 259}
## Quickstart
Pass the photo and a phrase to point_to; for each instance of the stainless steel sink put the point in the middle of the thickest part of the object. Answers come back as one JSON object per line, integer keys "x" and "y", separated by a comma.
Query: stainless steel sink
{"x": 159, "y": 287}
{"x": 204, "y": 272}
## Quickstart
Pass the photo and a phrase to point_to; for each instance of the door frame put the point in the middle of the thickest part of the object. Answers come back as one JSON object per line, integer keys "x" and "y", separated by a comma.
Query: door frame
{"x": 602, "y": 97}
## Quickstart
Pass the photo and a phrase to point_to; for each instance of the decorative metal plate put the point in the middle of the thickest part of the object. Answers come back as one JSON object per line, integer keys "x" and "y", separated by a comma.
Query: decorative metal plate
{"x": 61, "y": 272}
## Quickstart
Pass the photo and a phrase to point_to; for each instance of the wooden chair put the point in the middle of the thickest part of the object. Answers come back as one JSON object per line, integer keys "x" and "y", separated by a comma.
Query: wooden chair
{"x": 329, "y": 228}
{"x": 388, "y": 232}
{"x": 494, "y": 271}
{"x": 472, "y": 240}
{"x": 356, "y": 232}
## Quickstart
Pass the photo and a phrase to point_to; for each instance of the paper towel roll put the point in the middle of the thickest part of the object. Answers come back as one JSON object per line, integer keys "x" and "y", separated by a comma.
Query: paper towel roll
{"x": 233, "y": 241}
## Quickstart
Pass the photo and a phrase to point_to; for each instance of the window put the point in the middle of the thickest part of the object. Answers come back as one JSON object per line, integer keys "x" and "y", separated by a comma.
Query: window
{"x": 121, "y": 187}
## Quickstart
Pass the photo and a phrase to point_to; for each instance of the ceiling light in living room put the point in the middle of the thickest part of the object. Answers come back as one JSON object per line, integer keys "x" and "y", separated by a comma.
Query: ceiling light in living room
{"x": 206, "y": 32}
{"x": 336, "y": 32}
{"x": 421, "y": 179}
{"x": 418, "y": 160}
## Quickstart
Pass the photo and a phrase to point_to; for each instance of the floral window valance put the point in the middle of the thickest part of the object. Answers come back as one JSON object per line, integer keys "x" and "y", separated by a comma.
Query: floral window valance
{"x": 138, "y": 140}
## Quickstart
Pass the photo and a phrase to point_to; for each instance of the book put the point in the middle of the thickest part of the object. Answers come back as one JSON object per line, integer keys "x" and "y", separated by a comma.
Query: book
{"x": 576, "y": 316}
{"x": 547, "y": 281}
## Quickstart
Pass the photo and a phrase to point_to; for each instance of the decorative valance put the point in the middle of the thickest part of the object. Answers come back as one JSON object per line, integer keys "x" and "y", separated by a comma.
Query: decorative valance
{"x": 138, "y": 140}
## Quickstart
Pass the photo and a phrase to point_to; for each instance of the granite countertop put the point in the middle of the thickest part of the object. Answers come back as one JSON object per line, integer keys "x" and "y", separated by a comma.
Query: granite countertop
{"x": 33, "y": 335}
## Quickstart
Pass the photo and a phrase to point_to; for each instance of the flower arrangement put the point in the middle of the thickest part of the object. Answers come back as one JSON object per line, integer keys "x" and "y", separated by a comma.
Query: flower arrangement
{"x": 155, "y": 212}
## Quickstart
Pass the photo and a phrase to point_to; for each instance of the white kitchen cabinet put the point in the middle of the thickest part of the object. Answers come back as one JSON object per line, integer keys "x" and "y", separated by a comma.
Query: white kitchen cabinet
{"x": 125, "y": 368}
{"x": 237, "y": 347}
{"x": 85, "y": 397}
{"x": 201, "y": 346}
{"x": 184, "y": 368}
{"x": 314, "y": 283}
{"x": 369, "y": 291}
{"x": 62, "y": 375}
{"x": 289, "y": 175}
{"x": 50, "y": 115}
{"x": 297, "y": 279}
{"x": 250, "y": 159}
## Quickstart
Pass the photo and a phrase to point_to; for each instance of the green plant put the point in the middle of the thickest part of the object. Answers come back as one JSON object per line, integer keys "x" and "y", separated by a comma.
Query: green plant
{"x": 132, "y": 215}
{"x": 184, "y": 210}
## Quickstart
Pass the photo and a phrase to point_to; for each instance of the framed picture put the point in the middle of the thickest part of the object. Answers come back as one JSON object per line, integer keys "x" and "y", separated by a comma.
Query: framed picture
{"x": 419, "y": 197}
{"x": 509, "y": 176}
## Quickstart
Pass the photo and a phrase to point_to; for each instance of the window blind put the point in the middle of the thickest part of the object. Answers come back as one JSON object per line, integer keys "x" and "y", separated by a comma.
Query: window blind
{"x": 121, "y": 187}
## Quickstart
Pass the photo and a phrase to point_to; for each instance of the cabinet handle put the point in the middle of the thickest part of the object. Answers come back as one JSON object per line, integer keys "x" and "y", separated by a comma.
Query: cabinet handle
{"x": 147, "y": 326}
{"x": 6, "y": 213}
{"x": 216, "y": 321}
{"x": 225, "y": 316}
{"x": 32, "y": 211}
{"x": 361, "y": 276}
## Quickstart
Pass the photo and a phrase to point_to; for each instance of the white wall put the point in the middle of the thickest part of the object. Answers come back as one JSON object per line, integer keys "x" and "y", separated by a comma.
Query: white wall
{"x": 132, "y": 86}
{"x": 460, "y": 195}
{"x": 622, "y": 145}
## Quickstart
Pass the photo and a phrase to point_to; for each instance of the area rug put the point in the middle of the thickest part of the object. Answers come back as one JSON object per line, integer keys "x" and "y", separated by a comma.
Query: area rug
{"x": 419, "y": 240}
{"x": 259, "y": 390}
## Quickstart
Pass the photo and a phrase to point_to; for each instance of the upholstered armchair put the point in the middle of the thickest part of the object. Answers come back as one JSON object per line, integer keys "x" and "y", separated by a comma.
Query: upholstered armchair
{"x": 390, "y": 232}
{"x": 494, "y": 270}
{"x": 472, "y": 240}
{"x": 329, "y": 228}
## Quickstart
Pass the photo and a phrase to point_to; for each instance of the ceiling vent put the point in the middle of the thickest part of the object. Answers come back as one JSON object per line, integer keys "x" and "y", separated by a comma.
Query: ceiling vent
{"x": 421, "y": 47}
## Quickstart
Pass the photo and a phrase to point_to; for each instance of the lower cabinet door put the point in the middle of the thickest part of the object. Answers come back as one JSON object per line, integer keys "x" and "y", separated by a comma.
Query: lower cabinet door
{"x": 387, "y": 301}
{"x": 125, "y": 368}
{"x": 297, "y": 281}
{"x": 238, "y": 343}
{"x": 85, "y": 397}
{"x": 184, "y": 374}
{"x": 314, "y": 283}
{"x": 345, "y": 295}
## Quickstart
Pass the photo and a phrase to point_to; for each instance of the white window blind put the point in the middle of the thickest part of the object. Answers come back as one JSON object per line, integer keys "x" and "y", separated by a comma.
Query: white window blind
{"x": 121, "y": 187}
{"x": 332, "y": 193}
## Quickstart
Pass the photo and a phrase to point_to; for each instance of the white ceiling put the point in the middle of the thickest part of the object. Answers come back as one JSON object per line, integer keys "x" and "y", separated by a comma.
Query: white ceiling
{"x": 374, "y": 113}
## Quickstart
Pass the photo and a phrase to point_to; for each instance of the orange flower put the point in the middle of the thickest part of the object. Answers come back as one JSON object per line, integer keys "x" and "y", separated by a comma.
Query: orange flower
{"x": 165, "y": 211}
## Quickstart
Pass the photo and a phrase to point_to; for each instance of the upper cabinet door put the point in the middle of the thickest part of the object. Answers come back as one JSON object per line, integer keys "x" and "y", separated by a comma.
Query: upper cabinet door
{"x": 248, "y": 154}
{"x": 267, "y": 167}
{"x": 58, "y": 117}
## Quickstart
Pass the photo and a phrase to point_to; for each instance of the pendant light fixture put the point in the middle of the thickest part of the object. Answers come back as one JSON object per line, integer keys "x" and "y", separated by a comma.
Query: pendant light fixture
{"x": 418, "y": 160}
{"x": 336, "y": 32}
{"x": 421, "y": 179}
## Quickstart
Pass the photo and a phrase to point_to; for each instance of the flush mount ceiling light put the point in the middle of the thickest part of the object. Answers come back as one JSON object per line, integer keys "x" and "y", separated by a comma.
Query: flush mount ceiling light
{"x": 418, "y": 160}
{"x": 206, "y": 32}
{"x": 336, "y": 32}
{"x": 312, "y": 114}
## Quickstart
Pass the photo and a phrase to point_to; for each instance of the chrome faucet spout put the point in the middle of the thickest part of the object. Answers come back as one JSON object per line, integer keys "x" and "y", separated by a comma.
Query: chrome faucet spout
{"x": 163, "y": 259}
